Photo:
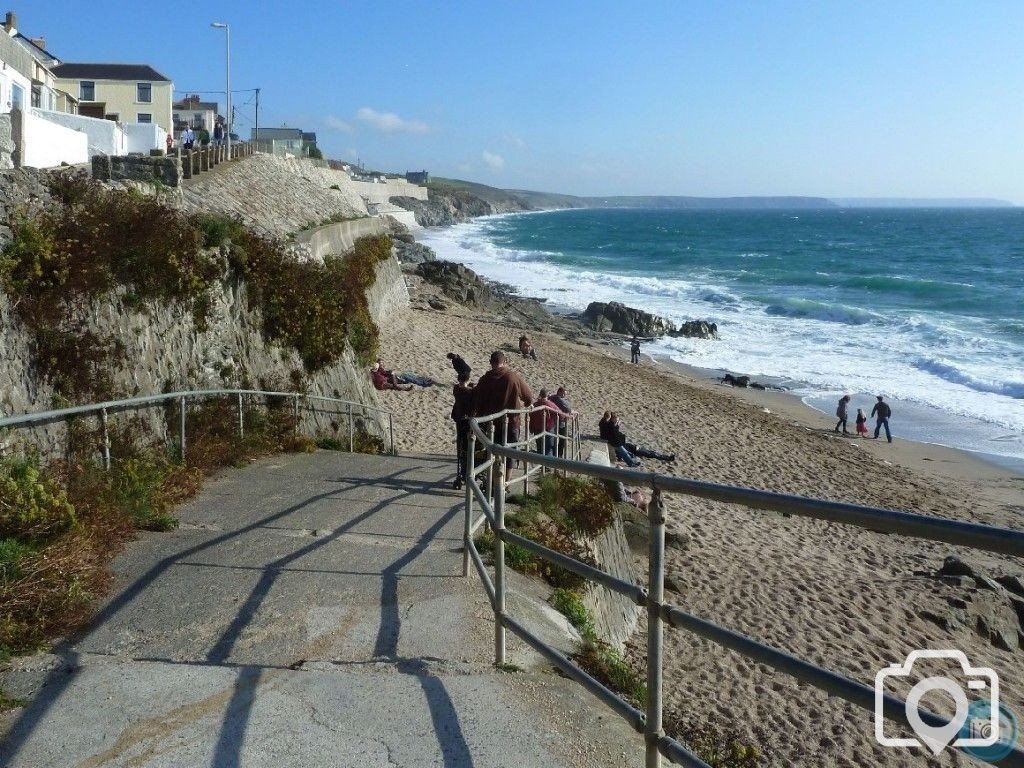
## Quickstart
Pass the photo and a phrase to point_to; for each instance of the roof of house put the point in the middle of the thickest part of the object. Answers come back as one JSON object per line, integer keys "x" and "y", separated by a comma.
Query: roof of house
{"x": 39, "y": 53}
{"x": 270, "y": 134}
{"x": 141, "y": 72}
{"x": 209, "y": 106}
{"x": 309, "y": 136}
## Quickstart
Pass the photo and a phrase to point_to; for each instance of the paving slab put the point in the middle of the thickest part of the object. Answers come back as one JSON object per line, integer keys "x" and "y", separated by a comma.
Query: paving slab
{"x": 310, "y": 611}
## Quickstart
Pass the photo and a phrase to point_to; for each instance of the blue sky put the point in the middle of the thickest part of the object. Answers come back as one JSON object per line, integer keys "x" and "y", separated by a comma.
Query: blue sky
{"x": 827, "y": 98}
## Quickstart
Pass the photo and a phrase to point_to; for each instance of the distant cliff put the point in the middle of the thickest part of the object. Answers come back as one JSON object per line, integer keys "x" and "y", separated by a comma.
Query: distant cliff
{"x": 669, "y": 202}
{"x": 453, "y": 201}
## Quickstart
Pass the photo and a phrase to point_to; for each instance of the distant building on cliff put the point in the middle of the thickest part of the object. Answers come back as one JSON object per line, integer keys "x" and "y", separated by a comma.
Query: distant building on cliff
{"x": 286, "y": 141}
{"x": 418, "y": 177}
{"x": 125, "y": 93}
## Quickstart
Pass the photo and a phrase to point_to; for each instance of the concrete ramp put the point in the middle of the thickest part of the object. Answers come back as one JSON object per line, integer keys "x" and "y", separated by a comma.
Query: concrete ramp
{"x": 309, "y": 612}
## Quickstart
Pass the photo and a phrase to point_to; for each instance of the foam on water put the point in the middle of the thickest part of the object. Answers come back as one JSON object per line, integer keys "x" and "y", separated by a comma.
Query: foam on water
{"x": 962, "y": 380}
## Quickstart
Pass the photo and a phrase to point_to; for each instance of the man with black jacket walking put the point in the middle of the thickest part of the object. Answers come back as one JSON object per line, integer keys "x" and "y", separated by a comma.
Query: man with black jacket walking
{"x": 882, "y": 412}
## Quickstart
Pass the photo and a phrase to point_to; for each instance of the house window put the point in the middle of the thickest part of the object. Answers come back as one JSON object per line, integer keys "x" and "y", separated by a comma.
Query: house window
{"x": 87, "y": 91}
{"x": 144, "y": 93}
{"x": 37, "y": 95}
{"x": 17, "y": 96}
{"x": 144, "y": 117}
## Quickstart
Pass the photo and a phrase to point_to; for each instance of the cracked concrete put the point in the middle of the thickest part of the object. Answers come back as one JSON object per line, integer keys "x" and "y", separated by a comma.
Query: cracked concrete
{"x": 310, "y": 616}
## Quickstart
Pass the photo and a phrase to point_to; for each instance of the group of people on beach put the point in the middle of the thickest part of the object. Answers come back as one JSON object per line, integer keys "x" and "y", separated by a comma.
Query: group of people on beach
{"x": 881, "y": 413}
{"x": 384, "y": 378}
{"x": 501, "y": 388}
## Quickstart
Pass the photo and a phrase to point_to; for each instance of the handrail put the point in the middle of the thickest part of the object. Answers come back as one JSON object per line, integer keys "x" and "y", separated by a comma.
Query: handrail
{"x": 103, "y": 408}
{"x": 659, "y": 613}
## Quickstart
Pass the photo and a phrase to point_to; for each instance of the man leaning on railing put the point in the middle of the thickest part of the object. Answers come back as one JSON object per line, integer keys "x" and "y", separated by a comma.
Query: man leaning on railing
{"x": 501, "y": 389}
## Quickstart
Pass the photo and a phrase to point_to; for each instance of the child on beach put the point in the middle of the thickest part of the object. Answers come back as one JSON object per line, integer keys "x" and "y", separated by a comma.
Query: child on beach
{"x": 862, "y": 423}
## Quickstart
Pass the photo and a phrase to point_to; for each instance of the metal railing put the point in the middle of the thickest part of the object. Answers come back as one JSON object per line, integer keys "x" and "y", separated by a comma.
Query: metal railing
{"x": 104, "y": 409}
{"x": 491, "y": 500}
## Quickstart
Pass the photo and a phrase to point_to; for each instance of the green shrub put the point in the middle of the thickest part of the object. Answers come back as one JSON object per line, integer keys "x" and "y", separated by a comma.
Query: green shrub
{"x": 137, "y": 485}
{"x": 330, "y": 444}
{"x": 12, "y": 552}
{"x": 32, "y": 507}
{"x": 568, "y": 602}
{"x": 364, "y": 442}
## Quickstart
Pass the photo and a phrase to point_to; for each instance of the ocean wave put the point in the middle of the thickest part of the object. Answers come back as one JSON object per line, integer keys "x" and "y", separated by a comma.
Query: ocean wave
{"x": 957, "y": 375}
{"x": 818, "y": 310}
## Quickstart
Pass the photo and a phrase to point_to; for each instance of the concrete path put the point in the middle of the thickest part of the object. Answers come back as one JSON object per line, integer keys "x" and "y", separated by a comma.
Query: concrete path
{"x": 309, "y": 612}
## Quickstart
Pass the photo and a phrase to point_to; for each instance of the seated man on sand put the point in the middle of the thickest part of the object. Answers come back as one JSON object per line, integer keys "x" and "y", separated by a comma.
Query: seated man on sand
{"x": 619, "y": 493}
{"x": 385, "y": 379}
{"x": 610, "y": 428}
{"x": 526, "y": 348}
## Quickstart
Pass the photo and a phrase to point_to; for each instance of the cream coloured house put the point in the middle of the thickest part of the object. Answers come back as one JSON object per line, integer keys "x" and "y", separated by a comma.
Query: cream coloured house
{"x": 127, "y": 93}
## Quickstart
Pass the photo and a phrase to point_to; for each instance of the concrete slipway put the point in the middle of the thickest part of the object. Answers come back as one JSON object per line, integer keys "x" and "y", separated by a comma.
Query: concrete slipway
{"x": 310, "y": 611}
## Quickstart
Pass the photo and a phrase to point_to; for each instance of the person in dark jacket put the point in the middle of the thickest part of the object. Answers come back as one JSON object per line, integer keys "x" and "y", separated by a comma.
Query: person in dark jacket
{"x": 842, "y": 413}
{"x": 460, "y": 365}
{"x": 627, "y": 451}
{"x": 882, "y": 412}
{"x": 461, "y": 411}
{"x": 563, "y": 422}
{"x": 498, "y": 390}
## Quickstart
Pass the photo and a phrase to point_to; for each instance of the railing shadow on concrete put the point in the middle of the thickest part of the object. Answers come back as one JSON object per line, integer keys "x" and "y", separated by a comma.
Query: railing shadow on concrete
{"x": 490, "y": 496}
{"x": 238, "y": 712}
{"x": 301, "y": 403}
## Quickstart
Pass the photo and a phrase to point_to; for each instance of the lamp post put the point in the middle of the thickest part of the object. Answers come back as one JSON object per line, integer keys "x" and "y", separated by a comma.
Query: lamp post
{"x": 227, "y": 85}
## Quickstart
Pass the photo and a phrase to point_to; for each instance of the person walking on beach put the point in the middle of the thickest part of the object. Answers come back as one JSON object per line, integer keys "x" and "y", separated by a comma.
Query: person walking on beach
{"x": 460, "y": 365}
{"x": 634, "y": 350}
{"x": 882, "y": 412}
{"x": 842, "y": 412}
{"x": 461, "y": 411}
{"x": 862, "y": 423}
{"x": 499, "y": 389}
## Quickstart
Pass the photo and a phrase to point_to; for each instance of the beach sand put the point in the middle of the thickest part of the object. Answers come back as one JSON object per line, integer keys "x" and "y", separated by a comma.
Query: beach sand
{"x": 849, "y": 599}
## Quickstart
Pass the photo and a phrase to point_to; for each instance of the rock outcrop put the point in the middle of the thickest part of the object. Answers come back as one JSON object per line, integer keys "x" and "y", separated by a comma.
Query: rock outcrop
{"x": 457, "y": 282}
{"x": 615, "y": 317}
{"x": 453, "y": 207}
{"x": 408, "y": 251}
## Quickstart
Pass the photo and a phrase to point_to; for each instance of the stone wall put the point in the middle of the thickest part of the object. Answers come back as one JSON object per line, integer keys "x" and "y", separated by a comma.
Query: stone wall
{"x": 166, "y": 170}
{"x": 615, "y": 615}
{"x": 275, "y": 195}
{"x": 339, "y": 237}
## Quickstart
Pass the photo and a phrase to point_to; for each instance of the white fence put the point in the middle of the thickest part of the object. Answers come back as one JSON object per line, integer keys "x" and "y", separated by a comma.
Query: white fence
{"x": 105, "y": 137}
{"x": 47, "y": 144}
{"x": 142, "y": 137}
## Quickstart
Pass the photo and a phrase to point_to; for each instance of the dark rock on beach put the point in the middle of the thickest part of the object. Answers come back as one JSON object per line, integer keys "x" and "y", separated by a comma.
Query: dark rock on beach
{"x": 615, "y": 317}
{"x": 456, "y": 281}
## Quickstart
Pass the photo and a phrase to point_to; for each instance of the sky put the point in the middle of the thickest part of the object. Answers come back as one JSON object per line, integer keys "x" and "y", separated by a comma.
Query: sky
{"x": 716, "y": 98}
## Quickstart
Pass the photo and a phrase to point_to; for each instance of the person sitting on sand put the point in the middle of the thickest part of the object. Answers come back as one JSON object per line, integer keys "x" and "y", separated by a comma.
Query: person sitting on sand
{"x": 461, "y": 411}
{"x": 526, "y": 348}
{"x": 862, "y": 423}
{"x": 385, "y": 379}
{"x": 841, "y": 414}
{"x": 544, "y": 418}
{"x": 624, "y": 449}
{"x": 604, "y": 427}
{"x": 460, "y": 365}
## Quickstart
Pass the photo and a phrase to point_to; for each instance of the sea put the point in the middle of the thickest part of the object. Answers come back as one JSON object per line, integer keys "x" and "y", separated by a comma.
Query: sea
{"x": 923, "y": 306}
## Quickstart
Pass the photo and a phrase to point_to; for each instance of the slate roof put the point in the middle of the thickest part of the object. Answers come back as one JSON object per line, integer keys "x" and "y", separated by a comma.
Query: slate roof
{"x": 130, "y": 72}
{"x": 41, "y": 54}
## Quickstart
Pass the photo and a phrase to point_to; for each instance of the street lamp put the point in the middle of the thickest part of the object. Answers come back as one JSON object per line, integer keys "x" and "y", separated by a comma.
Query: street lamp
{"x": 227, "y": 117}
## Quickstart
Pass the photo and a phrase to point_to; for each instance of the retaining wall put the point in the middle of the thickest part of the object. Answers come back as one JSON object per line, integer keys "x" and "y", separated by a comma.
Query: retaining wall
{"x": 48, "y": 144}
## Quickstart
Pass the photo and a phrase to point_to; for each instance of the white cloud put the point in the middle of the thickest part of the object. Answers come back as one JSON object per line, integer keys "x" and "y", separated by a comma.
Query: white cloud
{"x": 337, "y": 124}
{"x": 389, "y": 122}
{"x": 516, "y": 141}
{"x": 494, "y": 161}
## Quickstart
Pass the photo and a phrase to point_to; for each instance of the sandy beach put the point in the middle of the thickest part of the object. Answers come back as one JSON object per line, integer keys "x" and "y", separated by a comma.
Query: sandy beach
{"x": 849, "y": 599}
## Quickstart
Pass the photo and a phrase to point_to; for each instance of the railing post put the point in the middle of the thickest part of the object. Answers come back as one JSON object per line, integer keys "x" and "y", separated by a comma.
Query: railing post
{"x": 499, "y": 567}
{"x": 295, "y": 415}
{"x": 351, "y": 431}
{"x": 391, "y": 431}
{"x": 106, "y": 440}
{"x": 467, "y": 534}
{"x": 490, "y": 472}
{"x": 241, "y": 417}
{"x": 655, "y": 627}
{"x": 181, "y": 434}
{"x": 526, "y": 464}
